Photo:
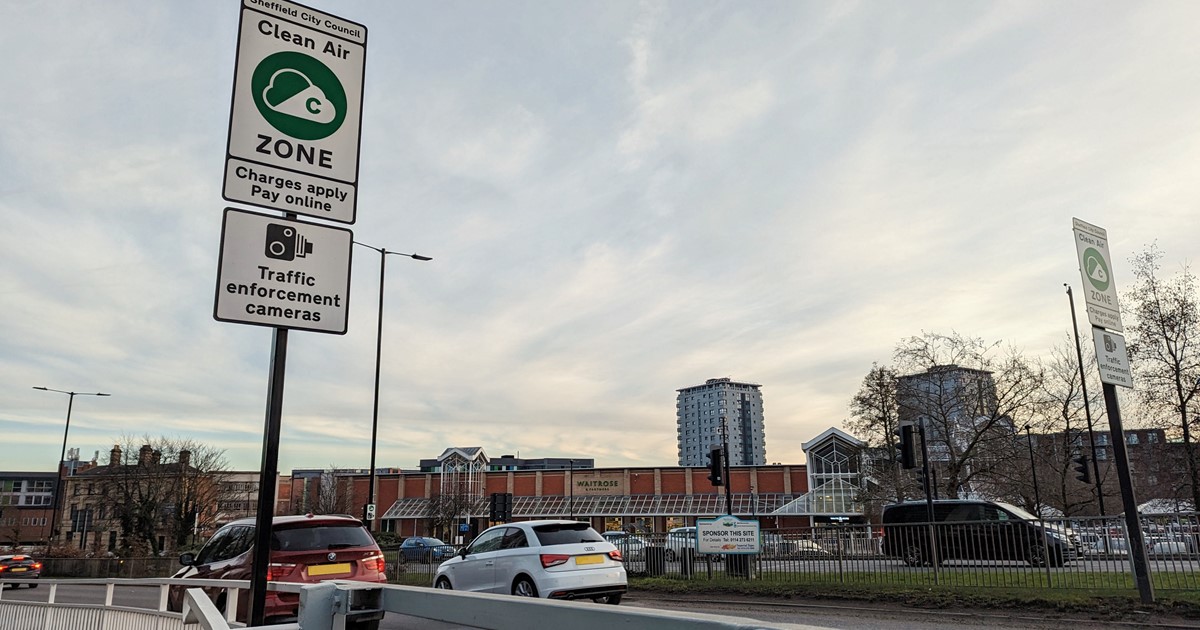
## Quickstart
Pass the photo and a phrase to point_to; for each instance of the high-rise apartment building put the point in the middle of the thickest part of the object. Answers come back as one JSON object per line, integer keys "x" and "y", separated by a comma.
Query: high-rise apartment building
{"x": 698, "y": 414}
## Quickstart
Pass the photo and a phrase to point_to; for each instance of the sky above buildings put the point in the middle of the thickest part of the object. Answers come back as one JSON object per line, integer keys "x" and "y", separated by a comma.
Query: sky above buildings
{"x": 621, "y": 199}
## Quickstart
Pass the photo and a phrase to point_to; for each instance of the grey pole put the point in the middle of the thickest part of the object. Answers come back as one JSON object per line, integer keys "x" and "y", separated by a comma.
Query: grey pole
{"x": 1087, "y": 405}
{"x": 58, "y": 486}
{"x": 383, "y": 254}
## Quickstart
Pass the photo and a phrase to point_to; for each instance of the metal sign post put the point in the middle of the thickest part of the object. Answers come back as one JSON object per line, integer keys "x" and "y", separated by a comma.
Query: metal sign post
{"x": 1100, "y": 291}
{"x": 295, "y": 122}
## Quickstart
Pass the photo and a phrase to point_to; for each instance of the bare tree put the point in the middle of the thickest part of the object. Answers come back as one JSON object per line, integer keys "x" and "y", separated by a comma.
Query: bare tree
{"x": 1164, "y": 342}
{"x": 335, "y": 493}
{"x": 446, "y": 511}
{"x": 159, "y": 493}
{"x": 973, "y": 396}
{"x": 874, "y": 419}
{"x": 1058, "y": 419}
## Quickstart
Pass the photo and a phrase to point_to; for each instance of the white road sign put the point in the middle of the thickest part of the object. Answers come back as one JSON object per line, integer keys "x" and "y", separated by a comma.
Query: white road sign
{"x": 1112, "y": 358}
{"x": 295, "y": 121}
{"x": 1099, "y": 287}
{"x": 726, "y": 534}
{"x": 283, "y": 273}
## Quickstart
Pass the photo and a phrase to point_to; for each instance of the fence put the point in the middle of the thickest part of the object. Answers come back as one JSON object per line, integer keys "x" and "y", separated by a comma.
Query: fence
{"x": 1065, "y": 553}
{"x": 1068, "y": 553}
{"x": 110, "y": 567}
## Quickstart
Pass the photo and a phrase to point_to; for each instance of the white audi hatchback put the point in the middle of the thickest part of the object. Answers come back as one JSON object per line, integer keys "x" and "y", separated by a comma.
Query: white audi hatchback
{"x": 550, "y": 559}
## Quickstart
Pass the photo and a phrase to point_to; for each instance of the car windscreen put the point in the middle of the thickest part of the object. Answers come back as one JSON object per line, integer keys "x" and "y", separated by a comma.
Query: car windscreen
{"x": 1017, "y": 512}
{"x": 321, "y": 538}
{"x": 566, "y": 534}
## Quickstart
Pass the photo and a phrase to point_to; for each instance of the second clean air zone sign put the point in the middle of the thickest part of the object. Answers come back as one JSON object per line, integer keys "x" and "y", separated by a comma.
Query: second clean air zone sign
{"x": 295, "y": 122}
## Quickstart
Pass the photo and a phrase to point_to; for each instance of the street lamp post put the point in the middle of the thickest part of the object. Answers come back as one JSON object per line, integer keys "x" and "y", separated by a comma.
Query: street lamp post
{"x": 571, "y": 487}
{"x": 62, "y": 455}
{"x": 383, "y": 254}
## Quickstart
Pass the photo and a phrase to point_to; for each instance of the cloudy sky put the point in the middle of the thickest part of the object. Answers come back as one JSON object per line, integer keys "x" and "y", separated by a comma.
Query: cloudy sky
{"x": 621, "y": 198}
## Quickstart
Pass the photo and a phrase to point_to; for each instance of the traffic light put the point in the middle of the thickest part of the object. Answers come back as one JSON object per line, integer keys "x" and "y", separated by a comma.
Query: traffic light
{"x": 716, "y": 470}
{"x": 906, "y": 452}
{"x": 501, "y": 507}
{"x": 1080, "y": 464}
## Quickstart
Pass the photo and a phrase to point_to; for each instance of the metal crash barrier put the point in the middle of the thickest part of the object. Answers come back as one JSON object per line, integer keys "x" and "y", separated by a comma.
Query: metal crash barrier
{"x": 345, "y": 605}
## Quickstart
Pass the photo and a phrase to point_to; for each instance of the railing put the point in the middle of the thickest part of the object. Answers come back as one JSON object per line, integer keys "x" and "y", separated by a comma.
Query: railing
{"x": 1068, "y": 553}
{"x": 344, "y": 605}
{"x": 970, "y": 554}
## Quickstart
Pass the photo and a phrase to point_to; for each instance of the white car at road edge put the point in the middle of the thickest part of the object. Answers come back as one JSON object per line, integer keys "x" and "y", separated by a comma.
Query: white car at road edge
{"x": 555, "y": 559}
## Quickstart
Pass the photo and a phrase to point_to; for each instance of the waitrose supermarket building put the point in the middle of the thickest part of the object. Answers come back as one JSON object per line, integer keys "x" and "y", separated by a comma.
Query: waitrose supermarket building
{"x": 451, "y": 495}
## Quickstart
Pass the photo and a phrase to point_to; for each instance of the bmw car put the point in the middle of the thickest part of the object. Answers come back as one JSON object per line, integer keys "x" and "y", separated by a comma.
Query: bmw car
{"x": 20, "y": 567}
{"x": 551, "y": 559}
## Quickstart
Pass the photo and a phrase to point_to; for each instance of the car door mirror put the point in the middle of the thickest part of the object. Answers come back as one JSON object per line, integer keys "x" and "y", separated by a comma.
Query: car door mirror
{"x": 187, "y": 559}
{"x": 462, "y": 552}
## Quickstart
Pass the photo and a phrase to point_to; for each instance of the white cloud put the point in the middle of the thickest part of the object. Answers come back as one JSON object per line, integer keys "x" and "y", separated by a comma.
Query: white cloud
{"x": 621, "y": 200}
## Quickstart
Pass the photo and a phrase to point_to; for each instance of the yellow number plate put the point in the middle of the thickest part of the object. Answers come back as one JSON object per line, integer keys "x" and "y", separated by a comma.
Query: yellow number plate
{"x": 329, "y": 569}
{"x": 19, "y": 569}
{"x": 594, "y": 559}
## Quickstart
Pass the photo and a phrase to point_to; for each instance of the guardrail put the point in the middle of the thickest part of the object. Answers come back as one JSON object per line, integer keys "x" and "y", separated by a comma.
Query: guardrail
{"x": 345, "y": 604}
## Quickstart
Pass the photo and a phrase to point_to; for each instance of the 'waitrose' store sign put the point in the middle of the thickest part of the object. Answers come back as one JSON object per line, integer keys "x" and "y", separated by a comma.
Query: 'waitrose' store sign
{"x": 597, "y": 485}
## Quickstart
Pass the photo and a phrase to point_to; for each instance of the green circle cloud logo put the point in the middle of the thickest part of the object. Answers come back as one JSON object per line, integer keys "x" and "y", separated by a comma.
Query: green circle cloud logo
{"x": 298, "y": 95}
{"x": 1096, "y": 269}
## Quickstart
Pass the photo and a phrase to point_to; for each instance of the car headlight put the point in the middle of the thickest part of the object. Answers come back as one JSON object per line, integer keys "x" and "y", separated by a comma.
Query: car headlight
{"x": 1057, "y": 536}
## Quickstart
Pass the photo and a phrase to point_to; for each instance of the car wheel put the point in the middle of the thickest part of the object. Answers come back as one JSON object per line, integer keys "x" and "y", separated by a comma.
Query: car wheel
{"x": 33, "y": 585}
{"x": 613, "y": 599}
{"x": 670, "y": 555}
{"x": 915, "y": 556}
{"x": 524, "y": 587}
{"x": 1036, "y": 555}
{"x": 443, "y": 584}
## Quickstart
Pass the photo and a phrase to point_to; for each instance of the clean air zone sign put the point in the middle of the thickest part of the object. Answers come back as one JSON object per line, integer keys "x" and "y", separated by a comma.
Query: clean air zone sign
{"x": 1099, "y": 288}
{"x": 296, "y": 117}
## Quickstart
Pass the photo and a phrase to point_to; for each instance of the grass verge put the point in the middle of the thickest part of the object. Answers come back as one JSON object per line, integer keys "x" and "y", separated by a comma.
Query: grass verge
{"x": 1096, "y": 603}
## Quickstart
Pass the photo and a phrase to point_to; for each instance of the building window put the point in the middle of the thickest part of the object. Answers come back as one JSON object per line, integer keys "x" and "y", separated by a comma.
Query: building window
{"x": 1132, "y": 438}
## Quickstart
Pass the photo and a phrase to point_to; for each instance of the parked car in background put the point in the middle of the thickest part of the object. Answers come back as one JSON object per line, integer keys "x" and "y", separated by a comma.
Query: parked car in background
{"x": 774, "y": 545}
{"x": 303, "y": 549}
{"x": 631, "y": 546}
{"x": 553, "y": 559}
{"x": 20, "y": 567}
{"x": 1168, "y": 545}
{"x": 678, "y": 540}
{"x": 425, "y": 549}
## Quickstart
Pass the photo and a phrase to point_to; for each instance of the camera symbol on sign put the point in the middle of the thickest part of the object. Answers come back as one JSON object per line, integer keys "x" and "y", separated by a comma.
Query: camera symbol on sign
{"x": 285, "y": 243}
{"x": 1109, "y": 344}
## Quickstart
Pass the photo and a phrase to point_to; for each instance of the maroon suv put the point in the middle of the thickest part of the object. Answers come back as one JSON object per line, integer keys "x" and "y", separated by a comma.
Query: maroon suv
{"x": 303, "y": 549}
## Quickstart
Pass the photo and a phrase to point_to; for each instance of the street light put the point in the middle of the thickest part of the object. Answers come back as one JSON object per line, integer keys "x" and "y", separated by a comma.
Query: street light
{"x": 62, "y": 455}
{"x": 383, "y": 254}
{"x": 571, "y": 487}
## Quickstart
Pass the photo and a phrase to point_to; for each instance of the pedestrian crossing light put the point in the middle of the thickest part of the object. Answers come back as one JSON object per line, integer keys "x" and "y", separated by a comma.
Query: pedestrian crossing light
{"x": 1080, "y": 464}
{"x": 716, "y": 471}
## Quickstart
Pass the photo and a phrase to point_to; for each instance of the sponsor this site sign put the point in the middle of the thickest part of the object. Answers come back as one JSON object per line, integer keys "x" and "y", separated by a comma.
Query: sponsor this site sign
{"x": 295, "y": 119}
{"x": 283, "y": 273}
{"x": 726, "y": 534}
